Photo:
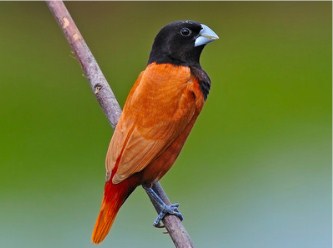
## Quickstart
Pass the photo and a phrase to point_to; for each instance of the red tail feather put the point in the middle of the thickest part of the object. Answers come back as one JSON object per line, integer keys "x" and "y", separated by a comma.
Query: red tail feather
{"x": 114, "y": 196}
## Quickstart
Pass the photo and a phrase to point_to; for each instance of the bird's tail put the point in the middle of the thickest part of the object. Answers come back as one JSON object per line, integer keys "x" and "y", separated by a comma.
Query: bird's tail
{"x": 114, "y": 196}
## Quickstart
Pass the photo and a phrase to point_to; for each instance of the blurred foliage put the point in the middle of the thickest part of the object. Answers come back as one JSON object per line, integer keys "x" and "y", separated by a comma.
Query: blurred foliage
{"x": 256, "y": 170}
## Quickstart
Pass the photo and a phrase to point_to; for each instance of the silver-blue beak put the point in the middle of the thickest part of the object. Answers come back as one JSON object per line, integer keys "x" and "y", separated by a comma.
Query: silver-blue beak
{"x": 206, "y": 35}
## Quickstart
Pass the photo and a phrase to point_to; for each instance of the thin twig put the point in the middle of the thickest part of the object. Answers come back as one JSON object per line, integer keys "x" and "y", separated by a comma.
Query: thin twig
{"x": 109, "y": 104}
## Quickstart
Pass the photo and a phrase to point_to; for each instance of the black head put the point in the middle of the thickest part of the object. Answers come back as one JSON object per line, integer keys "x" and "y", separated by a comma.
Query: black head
{"x": 181, "y": 43}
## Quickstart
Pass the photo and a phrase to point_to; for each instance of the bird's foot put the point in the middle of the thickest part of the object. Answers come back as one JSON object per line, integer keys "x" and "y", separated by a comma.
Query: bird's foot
{"x": 164, "y": 208}
{"x": 167, "y": 209}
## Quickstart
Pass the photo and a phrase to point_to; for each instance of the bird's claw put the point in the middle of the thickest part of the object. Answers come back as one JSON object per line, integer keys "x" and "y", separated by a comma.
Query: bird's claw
{"x": 167, "y": 209}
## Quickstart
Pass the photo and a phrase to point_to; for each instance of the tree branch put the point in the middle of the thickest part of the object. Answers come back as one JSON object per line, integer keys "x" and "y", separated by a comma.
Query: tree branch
{"x": 109, "y": 104}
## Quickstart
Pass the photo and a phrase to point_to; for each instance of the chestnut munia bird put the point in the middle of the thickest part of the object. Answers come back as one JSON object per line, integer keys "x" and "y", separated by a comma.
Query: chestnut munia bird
{"x": 158, "y": 115}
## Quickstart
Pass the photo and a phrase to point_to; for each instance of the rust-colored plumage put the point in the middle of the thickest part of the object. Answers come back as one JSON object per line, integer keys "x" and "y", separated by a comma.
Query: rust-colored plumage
{"x": 158, "y": 115}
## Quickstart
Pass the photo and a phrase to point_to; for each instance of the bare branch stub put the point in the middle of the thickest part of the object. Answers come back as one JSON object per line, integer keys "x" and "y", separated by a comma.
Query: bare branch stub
{"x": 109, "y": 104}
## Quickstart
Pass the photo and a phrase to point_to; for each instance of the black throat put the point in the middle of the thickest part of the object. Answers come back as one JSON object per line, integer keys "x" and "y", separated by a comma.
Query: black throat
{"x": 163, "y": 55}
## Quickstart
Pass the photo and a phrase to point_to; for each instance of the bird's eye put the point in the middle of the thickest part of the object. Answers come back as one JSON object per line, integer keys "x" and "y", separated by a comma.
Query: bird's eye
{"x": 185, "y": 32}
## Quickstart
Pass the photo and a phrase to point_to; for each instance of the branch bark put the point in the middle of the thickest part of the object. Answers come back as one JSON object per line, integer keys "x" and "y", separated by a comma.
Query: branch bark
{"x": 109, "y": 104}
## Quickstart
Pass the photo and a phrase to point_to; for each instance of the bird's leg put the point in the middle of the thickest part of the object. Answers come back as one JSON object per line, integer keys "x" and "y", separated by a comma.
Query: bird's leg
{"x": 164, "y": 208}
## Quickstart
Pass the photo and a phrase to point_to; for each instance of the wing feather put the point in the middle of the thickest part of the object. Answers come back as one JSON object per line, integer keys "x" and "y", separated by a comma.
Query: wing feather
{"x": 158, "y": 108}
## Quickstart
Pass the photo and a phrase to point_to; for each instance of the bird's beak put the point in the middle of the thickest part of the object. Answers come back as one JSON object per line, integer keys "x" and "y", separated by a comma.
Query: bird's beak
{"x": 206, "y": 35}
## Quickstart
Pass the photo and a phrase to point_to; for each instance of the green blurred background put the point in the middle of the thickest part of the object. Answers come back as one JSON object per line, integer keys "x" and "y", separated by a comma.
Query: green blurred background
{"x": 256, "y": 170}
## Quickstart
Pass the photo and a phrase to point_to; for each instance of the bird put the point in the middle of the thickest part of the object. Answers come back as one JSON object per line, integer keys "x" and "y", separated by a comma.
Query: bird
{"x": 158, "y": 115}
